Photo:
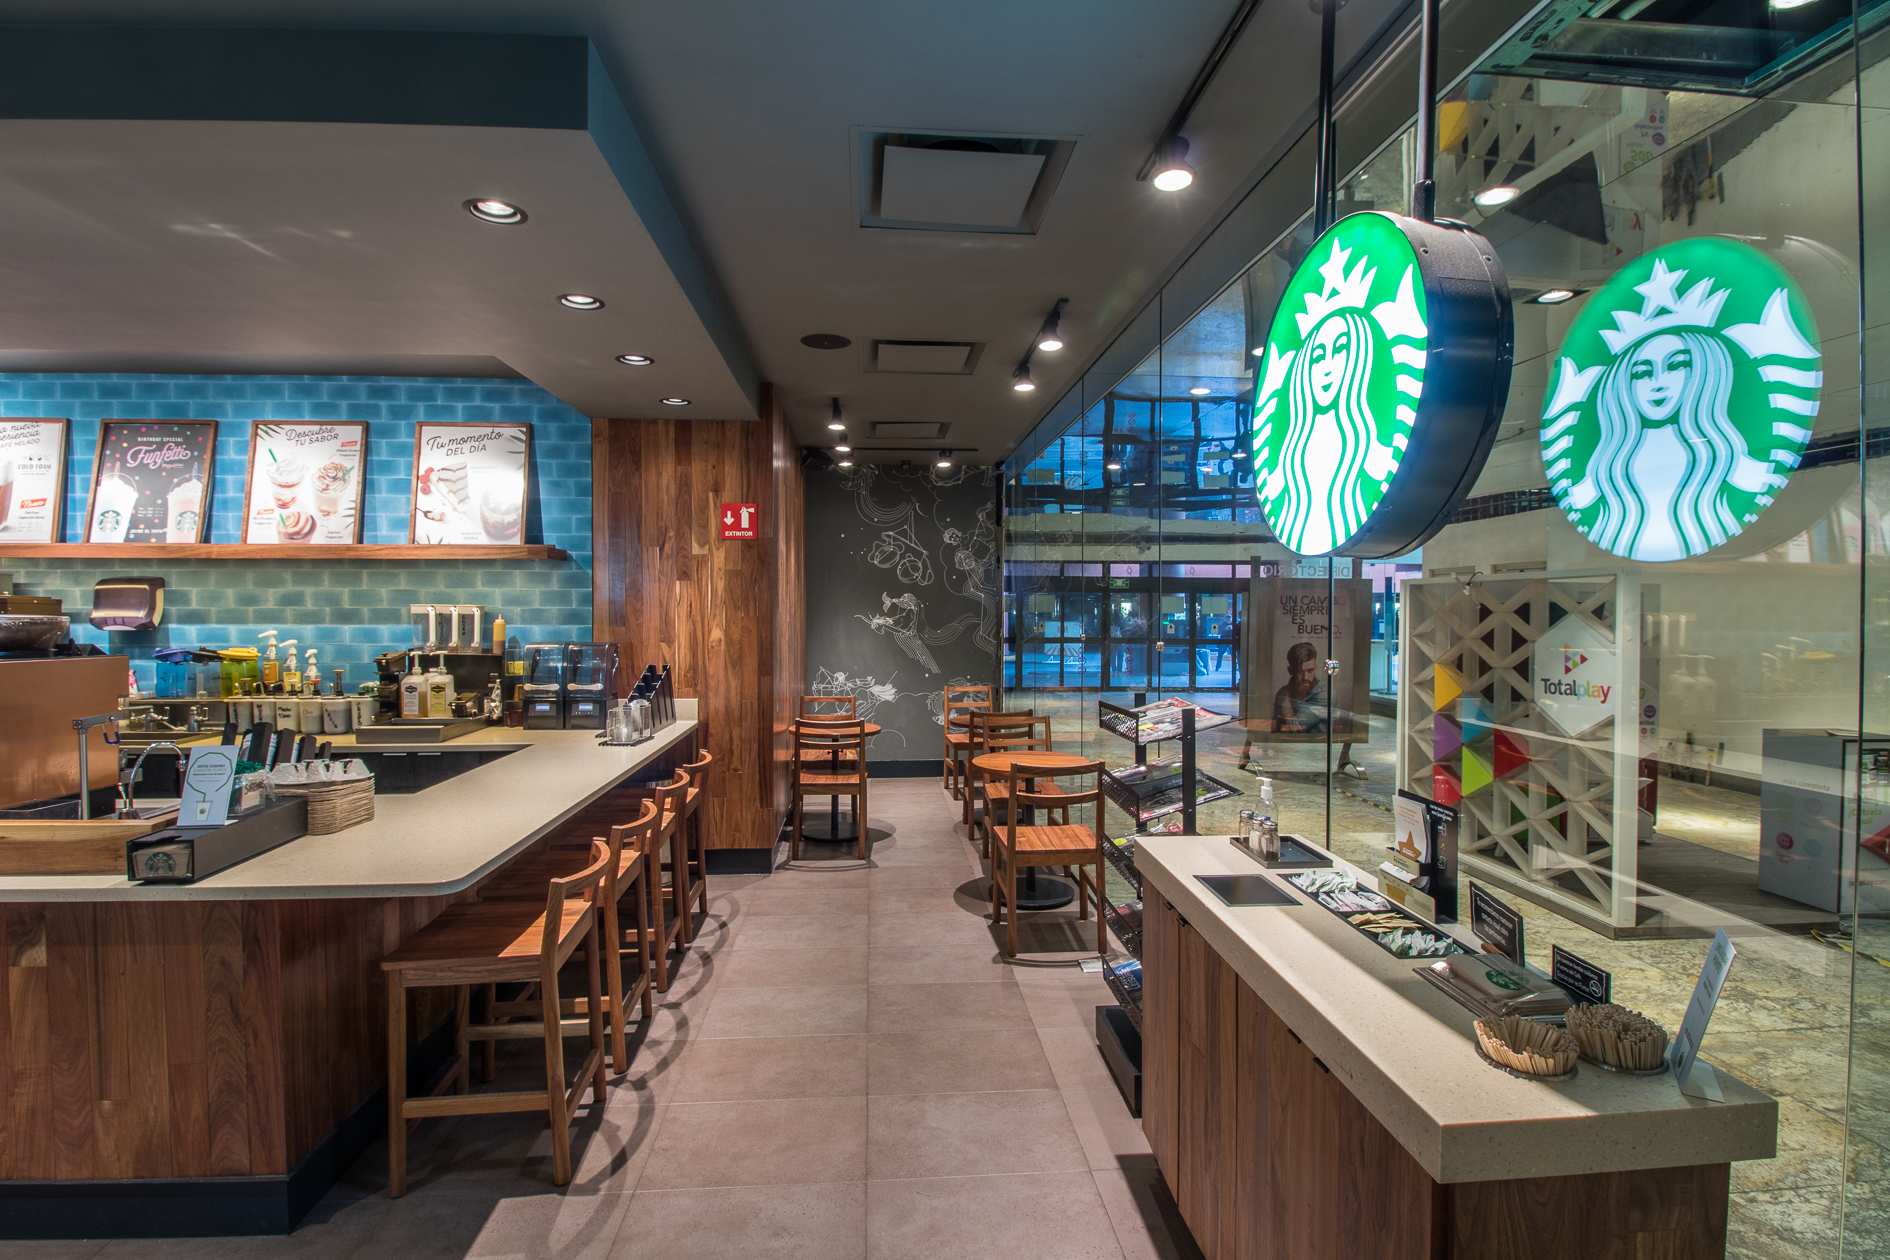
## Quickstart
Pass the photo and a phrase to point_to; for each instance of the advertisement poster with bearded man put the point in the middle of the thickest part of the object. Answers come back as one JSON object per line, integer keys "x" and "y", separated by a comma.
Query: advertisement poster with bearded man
{"x": 1287, "y": 696}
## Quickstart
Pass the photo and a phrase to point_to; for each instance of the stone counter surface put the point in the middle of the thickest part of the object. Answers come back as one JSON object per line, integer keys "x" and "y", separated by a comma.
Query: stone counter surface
{"x": 421, "y": 844}
{"x": 1408, "y": 1052}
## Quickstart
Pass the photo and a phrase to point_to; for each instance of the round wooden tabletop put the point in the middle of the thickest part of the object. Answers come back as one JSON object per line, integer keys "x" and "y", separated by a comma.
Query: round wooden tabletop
{"x": 824, "y": 728}
{"x": 1000, "y": 762}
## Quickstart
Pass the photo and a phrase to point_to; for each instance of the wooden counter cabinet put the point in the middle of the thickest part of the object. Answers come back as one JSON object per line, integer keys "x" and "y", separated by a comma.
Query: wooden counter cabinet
{"x": 1271, "y": 1157}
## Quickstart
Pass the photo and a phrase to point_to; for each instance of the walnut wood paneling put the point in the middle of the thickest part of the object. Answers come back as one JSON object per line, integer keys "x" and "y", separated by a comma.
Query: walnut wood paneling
{"x": 1667, "y": 1214}
{"x": 1161, "y": 1032}
{"x": 1205, "y": 1087}
{"x": 728, "y": 617}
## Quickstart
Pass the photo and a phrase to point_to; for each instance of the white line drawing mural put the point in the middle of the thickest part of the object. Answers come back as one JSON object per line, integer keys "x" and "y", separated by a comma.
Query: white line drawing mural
{"x": 868, "y": 693}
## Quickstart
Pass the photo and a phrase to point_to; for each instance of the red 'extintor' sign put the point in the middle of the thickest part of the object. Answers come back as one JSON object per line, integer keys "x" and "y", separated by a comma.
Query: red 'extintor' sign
{"x": 741, "y": 520}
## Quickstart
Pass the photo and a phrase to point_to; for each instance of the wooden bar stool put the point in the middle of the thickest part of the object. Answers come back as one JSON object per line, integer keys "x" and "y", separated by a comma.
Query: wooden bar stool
{"x": 665, "y": 928}
{"x": 958, "y": 701}
{"x": 498, "y": 943}
{"x": 695, "y": 846}
{"x": 629, "y": 875}
{"x": 829, "y": 762}
{"x": 1065, "y": 845}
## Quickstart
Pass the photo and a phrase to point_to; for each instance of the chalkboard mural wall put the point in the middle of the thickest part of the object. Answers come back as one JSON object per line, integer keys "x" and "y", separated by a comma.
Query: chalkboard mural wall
{"x": 902, "y": 597}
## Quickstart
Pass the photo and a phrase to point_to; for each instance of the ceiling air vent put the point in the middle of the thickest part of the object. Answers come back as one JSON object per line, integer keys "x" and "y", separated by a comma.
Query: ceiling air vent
{"x": 926, "y": 358}
{"x": 955, "y": 182}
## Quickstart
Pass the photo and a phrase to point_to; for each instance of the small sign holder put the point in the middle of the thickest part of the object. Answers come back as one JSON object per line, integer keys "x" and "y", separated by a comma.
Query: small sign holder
{"x": 208, "y": 777}
{"x": 1698, "y": 1080}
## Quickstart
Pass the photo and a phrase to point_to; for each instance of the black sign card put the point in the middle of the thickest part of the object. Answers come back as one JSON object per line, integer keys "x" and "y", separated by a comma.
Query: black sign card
{"x": 1493, "y": 921}
{"x": 1579, "y": 978}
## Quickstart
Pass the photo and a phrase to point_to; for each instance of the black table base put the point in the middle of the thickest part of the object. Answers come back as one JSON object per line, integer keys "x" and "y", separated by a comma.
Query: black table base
{"x": 1043, "y": 892}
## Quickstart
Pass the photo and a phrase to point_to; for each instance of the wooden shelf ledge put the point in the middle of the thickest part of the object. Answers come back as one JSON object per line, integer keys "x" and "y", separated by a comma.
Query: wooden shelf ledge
{"x": 283, "y": 551}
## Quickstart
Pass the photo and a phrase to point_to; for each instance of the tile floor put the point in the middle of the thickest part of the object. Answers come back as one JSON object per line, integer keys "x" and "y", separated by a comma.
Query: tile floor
{"x": 844, "y": 1066}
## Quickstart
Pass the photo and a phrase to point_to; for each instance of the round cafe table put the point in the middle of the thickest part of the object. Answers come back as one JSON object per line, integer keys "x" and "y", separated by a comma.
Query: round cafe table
{"x": 1034, "y": 893}
{"x": 828, "y": 831}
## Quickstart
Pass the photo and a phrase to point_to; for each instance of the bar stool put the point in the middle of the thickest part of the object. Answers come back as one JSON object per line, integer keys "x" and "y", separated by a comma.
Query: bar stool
{"x": 629, "y": 846}
{"x": 958, "y": 743}
{"x": 695, "y": 847}
{"x": 666, "y": 929}
{"x": 830, "y": 762}
{"x": 498, "y": 943}
{"x": 1062, "y": 845}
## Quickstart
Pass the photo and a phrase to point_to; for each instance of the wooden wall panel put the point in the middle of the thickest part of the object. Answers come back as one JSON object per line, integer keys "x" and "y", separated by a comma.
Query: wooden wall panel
{"x": 728, "y": 617}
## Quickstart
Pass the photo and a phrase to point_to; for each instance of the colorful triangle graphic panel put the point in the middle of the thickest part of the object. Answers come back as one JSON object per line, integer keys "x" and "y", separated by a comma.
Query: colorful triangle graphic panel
{"x": 1476, "y": 773}
{"x": 1446, "y": 685}
{"x": 1512, "y": 754}
{"x": 1476, "y": 718}
{"x": 1444, "y": 788}
{"x": 1446, "y": 737}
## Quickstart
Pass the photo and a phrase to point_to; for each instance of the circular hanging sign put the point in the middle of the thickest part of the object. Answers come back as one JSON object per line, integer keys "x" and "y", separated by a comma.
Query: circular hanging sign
{"x": 1386, "y": 370}
{"x": 1682, "y": 400}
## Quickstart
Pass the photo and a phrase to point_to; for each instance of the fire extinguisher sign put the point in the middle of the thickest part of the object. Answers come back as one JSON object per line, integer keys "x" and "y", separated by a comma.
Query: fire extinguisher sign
{"x": 741, "y": 520}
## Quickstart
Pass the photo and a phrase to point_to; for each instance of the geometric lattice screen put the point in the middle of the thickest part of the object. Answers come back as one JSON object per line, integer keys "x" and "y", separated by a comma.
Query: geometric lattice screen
{"x": 1544, "y": 782}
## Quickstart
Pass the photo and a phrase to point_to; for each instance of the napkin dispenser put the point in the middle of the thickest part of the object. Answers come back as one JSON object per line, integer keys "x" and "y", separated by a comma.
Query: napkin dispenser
{"x": 128, "y": 603}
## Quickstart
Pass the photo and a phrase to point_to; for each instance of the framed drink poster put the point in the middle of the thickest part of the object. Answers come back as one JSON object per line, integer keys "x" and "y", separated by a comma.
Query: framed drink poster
{"x": 469, "y": 483}
{"x": 150, "y": 481}
{"x": 304, "y": 483}
{"x": 32, "y": 480}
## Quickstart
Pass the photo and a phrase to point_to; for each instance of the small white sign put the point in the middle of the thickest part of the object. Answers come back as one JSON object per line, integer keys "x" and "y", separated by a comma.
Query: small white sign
{"x": 1576, "y": 676}
{"x": 1686, "y": 1044}
{"x": 208, "y": 778}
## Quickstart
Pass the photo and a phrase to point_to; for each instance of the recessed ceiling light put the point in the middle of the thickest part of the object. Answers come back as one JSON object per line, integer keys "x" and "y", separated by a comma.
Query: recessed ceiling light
{"x": 1172, "y": 172}
{"x": 676, "y": 402}
{"x": 1199, "y": 390}
{"x": 1021, "y": 382}
{"x": 493, "y": 210}
{"x": 1555, "y": 297}
{"x": 1491, "y": 198}
{"x": 636, "y": 360}
{"x": 581, "y": 301}
{"x": 825, "y": 341}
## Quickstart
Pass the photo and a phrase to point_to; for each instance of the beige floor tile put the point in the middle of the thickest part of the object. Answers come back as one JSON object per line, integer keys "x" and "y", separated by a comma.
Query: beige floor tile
{"x": 758, "y": 1143}
{"x": 1109, "y": 1133}
{"x": 735, "y": 1068}
{"x": 1044, "y": 1216}
{"x": 964, "y": 1135}
{"x": 1145, "y": 1218}
{"x": 787, "y": 1012}
{"x": 921, "y": 878}
{"x": 944, "y": 853}
{"x": 813, "y": 875}
{"x": 510, "y": 1154}
{"x": 956, "y": 964}
{"x": 791, "y": 1222}
{"x": 927, "y": 1063}
{"x": 947, "y": 927}
{"x": 967, "y": 896}
{"x": 1067, "y": 998}
{"x": 903, "y": 1008}
{"x": 781, "y": 968}
{"x": 766, "y": 903}
{"x": 655, "y": 1070}
{"x": 812, "y": 932}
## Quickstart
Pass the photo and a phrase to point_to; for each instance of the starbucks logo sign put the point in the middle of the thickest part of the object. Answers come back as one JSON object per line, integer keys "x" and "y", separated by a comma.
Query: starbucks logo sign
{"x": 1383, "y": 377}
{"x": 1682, "y": 400}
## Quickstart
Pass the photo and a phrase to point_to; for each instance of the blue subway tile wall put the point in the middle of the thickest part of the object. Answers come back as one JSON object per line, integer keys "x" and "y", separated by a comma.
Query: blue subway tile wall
{"x": 353, "y": 609}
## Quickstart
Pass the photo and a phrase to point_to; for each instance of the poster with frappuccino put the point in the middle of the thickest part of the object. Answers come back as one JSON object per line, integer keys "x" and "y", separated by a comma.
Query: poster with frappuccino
{"x": 469, "y": 483}
{"x": 304, "y": 483}
{"x": 150, "y": 481}
{"x": 32, "y": 480}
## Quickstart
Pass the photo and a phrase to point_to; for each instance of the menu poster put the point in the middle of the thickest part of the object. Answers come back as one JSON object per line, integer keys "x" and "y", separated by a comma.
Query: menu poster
{"x": 32, "y": 480}
{"x": 469, "y": 483}
{"x": 304, "y": 483}
{"x": 149, "y": 481}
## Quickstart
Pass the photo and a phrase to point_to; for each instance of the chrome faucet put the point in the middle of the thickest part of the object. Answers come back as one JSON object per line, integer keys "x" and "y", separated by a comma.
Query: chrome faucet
{"x": 127, "y": 791}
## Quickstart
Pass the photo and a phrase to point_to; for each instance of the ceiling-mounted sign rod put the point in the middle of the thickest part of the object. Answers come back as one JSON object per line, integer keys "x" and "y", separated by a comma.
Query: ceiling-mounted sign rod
{"x": 1325, "y": 175}
{"x": 1424, "y": 189}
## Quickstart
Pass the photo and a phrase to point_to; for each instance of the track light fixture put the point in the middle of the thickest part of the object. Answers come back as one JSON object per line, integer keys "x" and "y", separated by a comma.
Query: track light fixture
{"x": 836, "y": 424}
{"x": 1172, "y": 172}
{"x": 944, "y": 459}
{"x": 841, "y": 445}
{"x": 1049, "y": 338}
{"x": 1020, "y": 379}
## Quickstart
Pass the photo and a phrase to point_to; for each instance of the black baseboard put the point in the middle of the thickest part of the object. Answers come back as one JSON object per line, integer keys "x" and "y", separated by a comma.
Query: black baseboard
{"x": 740, "y": 861}
{"x": 207, "y": 1207}
{"x": 918, "y": 768}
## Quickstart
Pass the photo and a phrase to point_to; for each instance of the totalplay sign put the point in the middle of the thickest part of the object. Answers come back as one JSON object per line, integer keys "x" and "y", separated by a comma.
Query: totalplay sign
{"x": 1576, "y": 675}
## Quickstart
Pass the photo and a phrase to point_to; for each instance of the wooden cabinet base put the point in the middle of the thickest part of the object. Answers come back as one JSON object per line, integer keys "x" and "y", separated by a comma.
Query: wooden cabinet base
{"x": 1270, "y": 1157}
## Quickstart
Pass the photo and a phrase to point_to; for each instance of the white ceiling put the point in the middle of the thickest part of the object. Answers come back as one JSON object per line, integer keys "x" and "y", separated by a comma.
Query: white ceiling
{"x": 750, "y": 112}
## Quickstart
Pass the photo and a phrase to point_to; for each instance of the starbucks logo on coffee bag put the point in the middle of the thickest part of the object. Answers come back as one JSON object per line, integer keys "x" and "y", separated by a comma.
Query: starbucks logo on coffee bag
{"x": 1682, "y": 400}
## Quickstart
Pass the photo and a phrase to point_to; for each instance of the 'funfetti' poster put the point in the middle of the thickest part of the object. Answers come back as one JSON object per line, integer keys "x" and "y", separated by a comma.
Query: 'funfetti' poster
{"x": 150, "y": 481}
{"x": 32, "y": 479}
{"x": 305, "y": 482}
{"x": 469, "y": 483}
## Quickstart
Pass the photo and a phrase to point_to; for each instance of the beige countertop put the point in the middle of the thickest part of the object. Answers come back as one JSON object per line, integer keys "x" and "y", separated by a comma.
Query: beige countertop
{"x": 1408, "y": 1053}
{"x": 421, "y": 844}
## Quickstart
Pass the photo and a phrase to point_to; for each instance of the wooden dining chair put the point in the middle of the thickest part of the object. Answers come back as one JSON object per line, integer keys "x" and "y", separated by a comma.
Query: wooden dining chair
{"x": 1071, "y": 846}
{"x": 629, "y": 846}
{"x": 977, "y": 733}
{"x": 1025, "y": 734}
{"x": 959, "y": 701}
{"x": 829, "y": 761}
{"x": 480, "y": 943}
{"x": 830, "y": 757}
{"x": 829, "y": 706}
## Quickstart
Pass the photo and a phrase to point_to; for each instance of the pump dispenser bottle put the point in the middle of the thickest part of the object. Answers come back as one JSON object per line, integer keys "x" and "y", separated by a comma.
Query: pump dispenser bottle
{"x": 271, "y": 667}
{"x": 439, "y": 690}
{"x": 1269, "y": 837}
{"x": 413, "y": 686}
{"x": 311, "y": 675}
{"x": 291, "y": 676}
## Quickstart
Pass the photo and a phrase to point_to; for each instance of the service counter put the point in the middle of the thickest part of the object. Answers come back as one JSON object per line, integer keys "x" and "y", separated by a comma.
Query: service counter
{"x": 1309, "y": 1095}
{"x": 208, "y": 1058}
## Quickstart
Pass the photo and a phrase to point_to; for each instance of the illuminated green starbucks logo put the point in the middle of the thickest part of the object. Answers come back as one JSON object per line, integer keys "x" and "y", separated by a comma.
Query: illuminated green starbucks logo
{"x": 1682, "y": 401}
{"x": 1340, "y": 389}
